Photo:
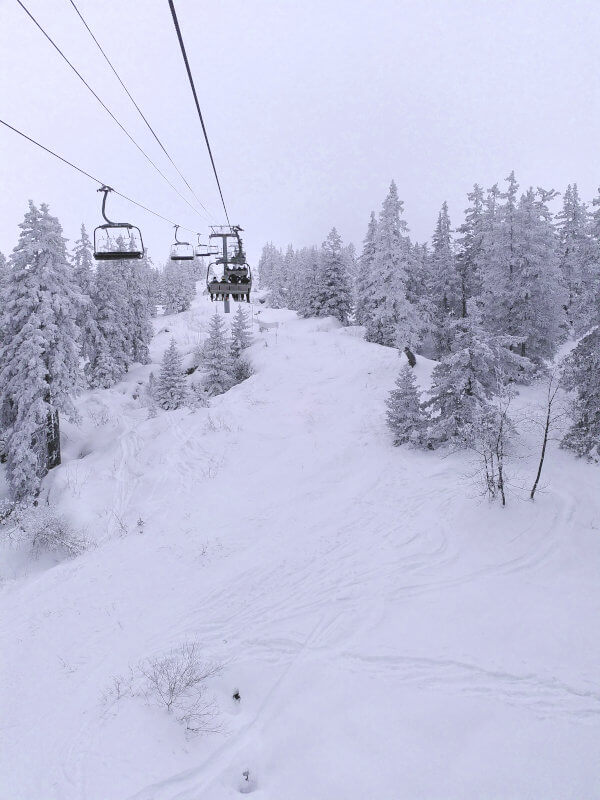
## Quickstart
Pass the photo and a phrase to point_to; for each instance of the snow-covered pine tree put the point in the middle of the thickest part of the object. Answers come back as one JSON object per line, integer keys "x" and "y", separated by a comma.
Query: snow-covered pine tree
{"x": 576, "y": 257}
{"x": 405, "y": 417}
{"x": 334, "y": 294}
{"x": 280, "y": 276}
{"x": 136, "y": 275}
{"x": 364, "y": 285}
{"x": 269, "y": 265}
{"x": 179, "y": 288}
{"x": 308, "y": 295}
{"x": 214, "y": 358}
{"x": 443, "y": 289}
{"x": 3, "y": 270}
{"x": 170, "y": 390}
{"x": 351, "y": 262}
{"x": 537, "y": 296}
{"x": 109, "y": 348}
{"x": 522, "y": 294}
{"x": 241, "y": 332}
{"x": 393, "y": 319}
{"x": 39, "y": 360}
{"x": 82, "y": 261}
{"x": 464, "y": 382}
{"x": 582, "y": 375}
{"x": 469, "y": 258}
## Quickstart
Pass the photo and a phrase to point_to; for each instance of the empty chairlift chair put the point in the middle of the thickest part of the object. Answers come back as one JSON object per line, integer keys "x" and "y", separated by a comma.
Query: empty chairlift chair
{"x": 181, "y": 251}
{"x": 116, "y": 241}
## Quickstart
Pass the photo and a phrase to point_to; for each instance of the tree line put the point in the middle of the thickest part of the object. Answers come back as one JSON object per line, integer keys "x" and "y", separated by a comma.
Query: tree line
{"x": 67, "y": 325}
{"x": 491, "y": 301}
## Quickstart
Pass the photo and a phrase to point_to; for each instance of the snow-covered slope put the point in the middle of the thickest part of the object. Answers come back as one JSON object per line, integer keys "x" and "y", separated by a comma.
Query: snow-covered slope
{"x": 391, "y": 636}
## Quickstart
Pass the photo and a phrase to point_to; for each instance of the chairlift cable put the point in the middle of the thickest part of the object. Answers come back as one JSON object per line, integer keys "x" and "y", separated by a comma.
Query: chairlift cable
{"x": 106, "y": 108}
{"x": 191, "y": 80}
{"x": 138, "y": 109}
{"x": 91, "y": 177}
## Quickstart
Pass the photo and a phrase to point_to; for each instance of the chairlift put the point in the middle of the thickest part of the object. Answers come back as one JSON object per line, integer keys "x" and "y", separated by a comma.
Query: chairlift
{"x": 116, "y": 241}
{"x": 225, "y": 283}
{"x": 181, "y": 251}
{"x": 205, "y": 250}
{"x": 229, "y": 275}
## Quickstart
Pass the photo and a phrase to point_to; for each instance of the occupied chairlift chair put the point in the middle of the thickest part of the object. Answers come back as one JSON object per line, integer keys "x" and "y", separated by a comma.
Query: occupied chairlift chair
{"x": 181, "y": 251}
{"x": 236, "y": 277}
{"x": 112, "y": 238}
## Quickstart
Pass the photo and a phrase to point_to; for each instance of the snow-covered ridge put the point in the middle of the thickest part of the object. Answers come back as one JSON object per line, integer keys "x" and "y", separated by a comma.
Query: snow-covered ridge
{"x": 390, "y": 635}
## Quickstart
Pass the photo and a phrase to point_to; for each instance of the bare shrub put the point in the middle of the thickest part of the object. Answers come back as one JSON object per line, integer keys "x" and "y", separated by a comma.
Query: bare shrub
{"x": 49, "y": 531}
{"x": 177, "y": 682}
{"x": 489, "y": 436}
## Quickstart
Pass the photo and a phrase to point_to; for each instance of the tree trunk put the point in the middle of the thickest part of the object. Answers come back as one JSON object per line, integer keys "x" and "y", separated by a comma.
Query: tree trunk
{"x": 543, "y": 454}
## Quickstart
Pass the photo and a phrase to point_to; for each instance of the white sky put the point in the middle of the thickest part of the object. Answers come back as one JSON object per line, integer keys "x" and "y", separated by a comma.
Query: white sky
{"x": 312, "y": 106}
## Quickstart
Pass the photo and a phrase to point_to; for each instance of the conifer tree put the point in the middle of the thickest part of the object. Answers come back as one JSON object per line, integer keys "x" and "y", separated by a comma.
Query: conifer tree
{"x": 39, "y": 359}
{"x": 405, "y": 416}
{"x": 582, "y": 374}
{"x": 269, "y": 265}
{"x": 393, "y": 320}
{"x": 4, "y": 268}
{"x": 170, "y": 391}
{"x": 241, "y": 332}
{"x": 442, "y": 285}
{"x": 179, "y": 288}
{"x": 364, "y": 279}
{"x": 465, "y": 380}
{"x": 136, "y": 276}
{"x": 334, "y": 293}
{"x": 469, "y": 259}
{"x": 109, "y": 347}
{"x": 214, "y": 358}
{"x": 82, "y": 261}
{"x": 521, "y": 287}
{"x": 576, "y": 258}
{"x": 308, "y": 295}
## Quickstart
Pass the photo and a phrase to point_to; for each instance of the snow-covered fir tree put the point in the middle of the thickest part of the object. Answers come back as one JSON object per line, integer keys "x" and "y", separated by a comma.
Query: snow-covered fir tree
{"x": 576, "y": 255}
{"x": 39, "y": 359}
{"x": 393, "y": 320}
{"x": 82, "y": 261}
{"x": 521, "y": 291}
{"x": 136, "y": 275}
{"x": 215, "y": 359}
{"x": 178, "y": 288}
{"x": 469, "y": 257}
{"x": 442, "y": 285}
{"x": 308, "y": 294}
{"x": 4, "y": 268}
{"x": 269, "y": 266}
{"x": 364, "y": 279}
{"x": 241, "y": 332}
{"x": 465, "y": 380}
{"x": 405, "y": 416}
{"x": 334, "y": 293}
{"x": 109, "y": 347}
{"x": 170, "y": 391}
{"x": 582, "y": 376}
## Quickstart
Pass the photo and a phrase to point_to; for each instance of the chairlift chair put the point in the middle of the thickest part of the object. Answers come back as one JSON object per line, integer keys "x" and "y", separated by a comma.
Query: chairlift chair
{"x": 116, "y": 241}
{"x": 181, "y": 251}
{"x": 205, "y": 250}
{"x": 235, "y": 276}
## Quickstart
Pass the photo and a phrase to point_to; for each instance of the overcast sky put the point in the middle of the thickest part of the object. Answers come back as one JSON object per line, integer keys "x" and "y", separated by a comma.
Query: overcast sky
{"x": 312, "y": 106}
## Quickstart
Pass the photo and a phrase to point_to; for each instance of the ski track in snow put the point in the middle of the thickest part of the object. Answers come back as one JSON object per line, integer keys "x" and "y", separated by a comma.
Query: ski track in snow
{"x": 334, "y": 536}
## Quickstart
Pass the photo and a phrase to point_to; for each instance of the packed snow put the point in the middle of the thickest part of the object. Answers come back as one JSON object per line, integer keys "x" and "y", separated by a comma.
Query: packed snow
{"x": 390, "y": 634}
